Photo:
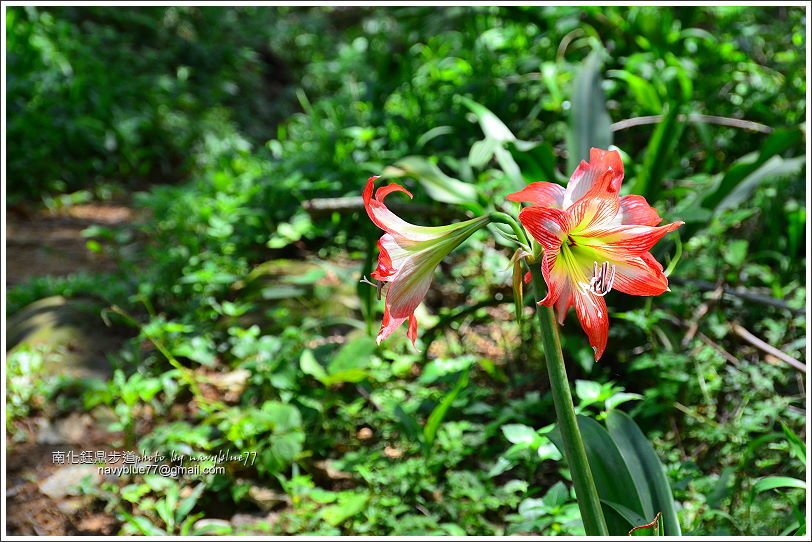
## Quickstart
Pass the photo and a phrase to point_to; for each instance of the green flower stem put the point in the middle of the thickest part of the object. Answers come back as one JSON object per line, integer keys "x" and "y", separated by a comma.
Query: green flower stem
{"x": 505, "y": 218}
{"x": 585, "y": 491}
{"x": 185, "y": 373}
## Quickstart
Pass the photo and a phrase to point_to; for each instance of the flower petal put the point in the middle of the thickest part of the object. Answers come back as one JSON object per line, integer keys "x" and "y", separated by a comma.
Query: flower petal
{"x": 388, "y": 325}
{"x": 541, "y": 193}
{"x": 567, "y": 277}
{"x": 385, "y": 269}
{"x": 389, "y": 221}
{"x": 603, "y": 174}
{"x": 621, "y": 243}
{"x": 636, "y": 210}
{"x": 384, "y": 191}
{"x": 548, "y": 226}
{"x": 412, "y": 331}
{"x": 410, "y": 286}
{"x": 591, "y": 311}
{"x": 563, "y": 304}
{"x": 591, "y": 212}
{"x": 555, "y": 276}
{"x": 640, "y": 276}
{"x": 565, "y": 273}
{"x": 390, "y": 260}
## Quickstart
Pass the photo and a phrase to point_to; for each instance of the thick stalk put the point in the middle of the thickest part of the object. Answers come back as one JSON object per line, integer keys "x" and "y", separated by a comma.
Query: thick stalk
{"x": 585, "y": 491}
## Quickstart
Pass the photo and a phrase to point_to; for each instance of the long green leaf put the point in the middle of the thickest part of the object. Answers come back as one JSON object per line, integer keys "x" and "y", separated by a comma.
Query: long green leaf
{"x": 652, "y": 528}
{"x": 407, "y": 422}
{"x": 658, "y": 155}
{"x": 492, "y": 127}
{"x": 481, "y": 152}
{"x": 612, "y": 478}
{"x": 439, "y": 186}
{"x": 796, "y": 445}
{"x": 439, "y": 412}
{"x": 721, "y": 489}
{"x": 187, "y": 504}
{"x": 510, "y": 167}
{"x": 355, "y": 354}
{"x": 497, "y": 135}
{"x": 644, "y": 92}
{"x": 774, "y": 167}
{"x": 349, "y": 505}
{"x": 776, "y": 144}
{"x": 646, "y": 468}
{"x": 633, "y": 517}
{"x": 310, "y": 366}
{"x": 775, "y": 482}
{"x": 589, "y": 122}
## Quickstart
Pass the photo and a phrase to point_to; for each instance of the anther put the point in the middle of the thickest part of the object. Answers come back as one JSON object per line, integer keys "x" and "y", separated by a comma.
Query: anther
{"x": 602, "y": 279}
{"x": 377, "y": 284}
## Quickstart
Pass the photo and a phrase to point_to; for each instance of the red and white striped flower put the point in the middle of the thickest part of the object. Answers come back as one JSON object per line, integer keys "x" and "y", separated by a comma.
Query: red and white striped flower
{"x": 593, "y": 241}
{"x": 408, "y": 256}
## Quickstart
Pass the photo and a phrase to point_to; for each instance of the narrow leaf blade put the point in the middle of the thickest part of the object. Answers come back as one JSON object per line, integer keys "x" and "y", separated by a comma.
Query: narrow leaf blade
{"x": 646, "y": 468}
{"x": 610, "y": 473}
{"x": 589, "y": 122}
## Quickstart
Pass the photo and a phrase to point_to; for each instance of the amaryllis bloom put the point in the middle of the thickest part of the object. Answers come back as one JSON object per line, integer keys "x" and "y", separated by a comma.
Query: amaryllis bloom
{"x": 593, "y": 241}
{"x": 408, "y": 256}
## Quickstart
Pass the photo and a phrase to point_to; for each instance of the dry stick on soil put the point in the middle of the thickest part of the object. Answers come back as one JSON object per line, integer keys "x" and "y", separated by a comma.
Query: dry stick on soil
{"x": 722, "y": 352}
{"x": 705, "y": 339}
{"x": 761, "y": 345}
{"x": 739, "y": 292}
{"x": 369, "y": 398}
{"x": 693, "y": 117}
{"x": 703, "y": 309}
{"x": 325, "y": 206}
{"x": 675, "y": 428}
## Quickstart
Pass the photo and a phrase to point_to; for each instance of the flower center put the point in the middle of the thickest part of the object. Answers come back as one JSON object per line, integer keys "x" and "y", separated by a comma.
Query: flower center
{"x": 602, "y": 278}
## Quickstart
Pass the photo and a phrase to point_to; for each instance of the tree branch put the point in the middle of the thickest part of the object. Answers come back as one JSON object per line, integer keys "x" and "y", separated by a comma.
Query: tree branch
{"x": 324, "y": 206}
{"x": 761, "y": 345}
{"x": 738, "y": 292}
{"x": 693, "y": 117}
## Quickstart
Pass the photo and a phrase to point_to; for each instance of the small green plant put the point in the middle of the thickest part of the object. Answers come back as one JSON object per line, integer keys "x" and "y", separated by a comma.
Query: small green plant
{"x": 162, "y": 510}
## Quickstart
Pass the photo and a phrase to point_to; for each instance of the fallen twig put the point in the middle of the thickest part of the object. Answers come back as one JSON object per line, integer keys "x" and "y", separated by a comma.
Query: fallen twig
{"x": 738, "y": 292}
{"x": 696, "y": 415}
{"x": 761, "y": 345}
{"x": 703, "y": 309}
{"x": 368, "y": 397}
{"x": 693, "y": 117}
{"x": 325, "y": 206}
{"x": 722, "y": 352}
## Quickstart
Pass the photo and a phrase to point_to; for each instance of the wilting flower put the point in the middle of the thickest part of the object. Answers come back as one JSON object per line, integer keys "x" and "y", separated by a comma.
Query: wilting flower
{"x": 593, "y": 241}
{"x": 408, "y": 256}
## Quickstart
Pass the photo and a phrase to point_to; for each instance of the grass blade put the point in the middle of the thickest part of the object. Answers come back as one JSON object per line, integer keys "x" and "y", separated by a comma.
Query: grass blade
{"x": 589, "y": 122}
{"x": 439, "y": 412}
{"x": 646, "y": 468}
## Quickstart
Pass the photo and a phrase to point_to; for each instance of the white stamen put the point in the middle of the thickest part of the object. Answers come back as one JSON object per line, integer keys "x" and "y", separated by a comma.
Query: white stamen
{"x": 587, "y": 289}
{"x": 377, "y": 284}
{"x": 602, "y": 281}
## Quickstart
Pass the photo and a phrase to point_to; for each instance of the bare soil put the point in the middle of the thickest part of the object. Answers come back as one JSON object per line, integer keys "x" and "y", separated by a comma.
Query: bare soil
{"x": 45, "y": 243}
{"x": 49, "y": 243}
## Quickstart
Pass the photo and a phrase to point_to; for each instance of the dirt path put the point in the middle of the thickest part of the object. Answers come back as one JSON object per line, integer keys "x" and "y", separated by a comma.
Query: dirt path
{"x": 42, "y": 497}
{"x": 48, "y": 243}
{"x": 52, "y": 244}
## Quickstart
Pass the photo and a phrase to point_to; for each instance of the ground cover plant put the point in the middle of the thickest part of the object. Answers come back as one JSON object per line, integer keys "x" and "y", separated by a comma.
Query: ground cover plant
{"x": 231, "y": 317}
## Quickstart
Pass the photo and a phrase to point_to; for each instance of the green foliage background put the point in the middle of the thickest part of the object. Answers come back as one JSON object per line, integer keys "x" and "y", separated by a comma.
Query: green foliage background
{"x": 218, "y": 123}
